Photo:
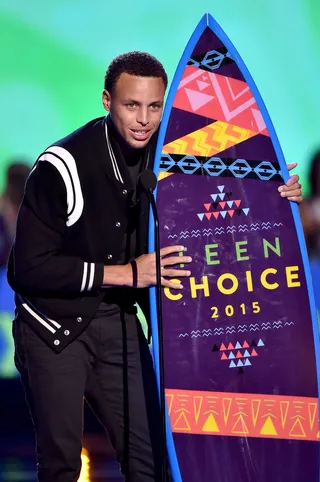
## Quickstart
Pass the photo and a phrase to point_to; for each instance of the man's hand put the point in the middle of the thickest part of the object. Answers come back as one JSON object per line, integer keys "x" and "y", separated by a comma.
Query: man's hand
{"x": 292, "y": 189}
{"x": 146, "y": 267}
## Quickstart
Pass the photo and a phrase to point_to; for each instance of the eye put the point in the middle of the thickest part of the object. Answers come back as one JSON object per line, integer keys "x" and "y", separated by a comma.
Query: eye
{"x": 131, "y": 105}
{"x": 155, "y": 106}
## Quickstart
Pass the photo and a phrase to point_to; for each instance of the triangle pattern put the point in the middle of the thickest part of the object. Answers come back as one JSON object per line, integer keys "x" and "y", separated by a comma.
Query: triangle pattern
{"x": 224, "y": 357}
{"x": 221, "y": 196}
{"x": 197, "y": 99}
{"x": 268, "y": 428}
{"x": 231, "y": 356}
{"x": 247, "y": 363}
{"x": 232, "y": 364}
{"x": 200, "y": 216}
{"x": 260, "y": 343}
{"x": 221, "y": 188}
{"x": 246, "y": 354}
{"x": 238, "y": 346}
{"x": 202, "y": 85}
{"x": 246, "y": 210}
{"x": 240, "y": 363}
{"x": 214, "y": 196}
{"x": 207, "y": 206}
{"x": 223, "y": 213}
{"x": 211, "y": 425}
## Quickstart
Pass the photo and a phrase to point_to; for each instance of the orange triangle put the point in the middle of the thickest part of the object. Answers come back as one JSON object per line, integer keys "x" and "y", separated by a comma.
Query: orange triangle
{"x": 230, "y": 346}
{"x": 231, "y": 212}
{"x": 254, "y": 353}
{"x": 222, "y": 204}
{"x": 207, "y": 206}
{"x": 182, "y": 423}
{"x": 223, "y": 347}
{"x": 197, "y": 404}
{"x": 255, "y": 404}
{"x": 240, "y": 427}
{"x": 297, "y": 430}
{"x": 245, "y": 345}
{"x": 216, "y": 215}
{"x": 284, "y": 408}
{"x": 224, "y": 357}
{"x": 226, "y": 408}
{"x": 312, "y": 408}
{"x": 208, "y": 215}
{"x": 239, "y": 355}
{"x": 238, "y": 202}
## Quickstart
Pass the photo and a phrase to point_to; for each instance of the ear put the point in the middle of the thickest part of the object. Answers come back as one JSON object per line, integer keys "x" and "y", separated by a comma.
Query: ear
{"x": 106, "y": 100}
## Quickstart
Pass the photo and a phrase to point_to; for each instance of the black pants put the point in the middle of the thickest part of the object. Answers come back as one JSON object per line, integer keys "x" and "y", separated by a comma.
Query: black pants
{"x": 109, "y": 364}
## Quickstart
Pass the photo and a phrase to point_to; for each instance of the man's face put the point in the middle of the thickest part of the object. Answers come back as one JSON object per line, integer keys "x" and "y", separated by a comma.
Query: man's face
{"x": 135, "y": 106}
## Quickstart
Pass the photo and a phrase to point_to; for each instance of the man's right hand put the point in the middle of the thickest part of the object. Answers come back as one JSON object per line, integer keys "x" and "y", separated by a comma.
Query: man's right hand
{"x": 146, "y": 267}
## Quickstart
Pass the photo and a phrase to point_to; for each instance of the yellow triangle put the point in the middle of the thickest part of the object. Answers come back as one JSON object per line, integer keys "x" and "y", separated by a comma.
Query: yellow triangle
{"x": 211, "y": 425}
{"x": 183, "y": 422}
{"x": 297, "y": 433}
{"x": 313, "y": 408}
{"x": 163, "y": 175}
{"x": 255, "y": 404}
{"x": 226, "y": 404}
{"x": 284, "y": 408}
{"x": 197, "y": 404}
{"x": 240, "y": 427}
{"x": 268, "y": 428}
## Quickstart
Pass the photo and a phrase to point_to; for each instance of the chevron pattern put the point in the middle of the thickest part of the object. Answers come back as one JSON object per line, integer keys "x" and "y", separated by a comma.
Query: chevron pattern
{"x": 209, "y": 140}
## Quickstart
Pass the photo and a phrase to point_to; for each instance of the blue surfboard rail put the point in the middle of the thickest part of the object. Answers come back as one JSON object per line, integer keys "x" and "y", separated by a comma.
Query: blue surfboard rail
{"x": 208, "y": 21}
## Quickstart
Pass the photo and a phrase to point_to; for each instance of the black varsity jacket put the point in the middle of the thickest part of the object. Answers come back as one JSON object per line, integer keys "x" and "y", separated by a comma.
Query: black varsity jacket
{"x": 71, "y": 223}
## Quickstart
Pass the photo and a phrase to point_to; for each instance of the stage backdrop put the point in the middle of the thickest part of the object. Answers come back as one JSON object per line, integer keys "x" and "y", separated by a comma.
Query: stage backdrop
{"x": 54, "y": 54}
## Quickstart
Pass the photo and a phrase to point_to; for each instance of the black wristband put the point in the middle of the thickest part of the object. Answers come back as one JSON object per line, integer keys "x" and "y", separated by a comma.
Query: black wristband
{"x": 134, "y": 273}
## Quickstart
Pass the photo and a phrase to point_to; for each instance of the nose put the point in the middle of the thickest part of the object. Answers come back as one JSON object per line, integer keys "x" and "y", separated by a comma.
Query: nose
{"x": 143, "y": 116}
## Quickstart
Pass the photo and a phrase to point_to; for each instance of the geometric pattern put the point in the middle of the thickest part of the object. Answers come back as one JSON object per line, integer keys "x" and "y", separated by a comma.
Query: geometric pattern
{"x": 218, "y": 231}
{"x": 243, "y": 414}
{"x": 231, "y": 329}
{"x": 223, "y": 167}
{"x": 211, "y": 60}
{"x": 209, "y": 140}
{"x": 219, "y": 97}
{"x": 239, "y": 353}
{"x": 223, "y": 206}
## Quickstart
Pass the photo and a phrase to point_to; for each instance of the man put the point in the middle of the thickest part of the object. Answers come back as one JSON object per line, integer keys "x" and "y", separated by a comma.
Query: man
{"x": 82, "y": 220}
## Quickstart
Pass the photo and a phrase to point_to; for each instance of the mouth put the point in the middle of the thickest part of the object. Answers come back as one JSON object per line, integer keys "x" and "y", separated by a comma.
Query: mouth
{"x": 140, "y": 134}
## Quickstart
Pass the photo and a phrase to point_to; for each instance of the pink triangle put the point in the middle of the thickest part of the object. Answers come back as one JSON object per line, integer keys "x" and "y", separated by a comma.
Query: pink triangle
{"x": 207, "y": 206}
{"x": 216, "y": 214}
{"x": 208, "y": 215}
{"x": 231, "y": 212}
{"x": 238, "y": 202}
{"x": 197, "y": 99}
{"x": 202, "y": 85}
{"x": 222, "y": 204}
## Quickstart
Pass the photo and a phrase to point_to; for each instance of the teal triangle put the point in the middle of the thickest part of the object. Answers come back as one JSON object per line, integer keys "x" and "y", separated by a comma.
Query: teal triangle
{"x": 230, "y": 203}
{"x": 260, "y": 343}
{"x": 200, "y": 216}
{"x": 246, "y": 353}
{"x": 221, "y": 196}
{"x": 247, "y": 363}
{"x": 245, "y": 210}
{"x": 231, "y": 356}
{"x": 240, "y": 364}
{"x": 214, "y": 197}
{"x": 223, "y": 213}
{"x": 221, "y": 188}
{"x": 232, "y": 364}
{"x": 238, "y": 346}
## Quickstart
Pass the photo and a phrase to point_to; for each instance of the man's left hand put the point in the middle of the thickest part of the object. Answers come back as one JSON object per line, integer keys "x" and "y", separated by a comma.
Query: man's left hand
{"x": 292, "y": 189}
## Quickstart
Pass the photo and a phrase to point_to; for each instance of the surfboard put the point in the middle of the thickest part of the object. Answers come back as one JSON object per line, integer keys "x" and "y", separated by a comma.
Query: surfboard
{"x": 241, "y": 345}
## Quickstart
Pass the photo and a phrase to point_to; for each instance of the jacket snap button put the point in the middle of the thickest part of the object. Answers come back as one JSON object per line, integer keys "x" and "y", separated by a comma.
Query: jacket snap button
{"x": 67, "y": 332}
{"x": 56, "y": 342}
{"x": 124, "y": 192}
{"x": 118, "y": 224}
{"x": 79, "y": 320}
{"x": 109, "y": 256}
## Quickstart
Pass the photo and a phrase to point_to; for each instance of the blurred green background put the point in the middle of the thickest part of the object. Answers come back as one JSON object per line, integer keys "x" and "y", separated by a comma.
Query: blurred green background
{"x": 54, "y": 54}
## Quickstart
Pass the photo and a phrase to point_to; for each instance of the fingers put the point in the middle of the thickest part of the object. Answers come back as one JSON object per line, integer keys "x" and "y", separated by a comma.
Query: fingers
{"x": 175, "y": 260}
{"x": 291, "y": 166}
{"x": 174, "y": 284}
{"x": 171, "y": 249}
{"x": 174, "y": 273}
{"x": 292, "y": 180}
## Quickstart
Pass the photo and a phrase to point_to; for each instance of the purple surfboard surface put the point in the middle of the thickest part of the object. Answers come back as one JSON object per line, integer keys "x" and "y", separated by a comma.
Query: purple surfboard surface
{"x": 240, "y": 339}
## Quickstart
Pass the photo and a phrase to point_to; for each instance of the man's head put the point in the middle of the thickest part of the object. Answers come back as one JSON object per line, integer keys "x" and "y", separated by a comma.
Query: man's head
{"x": 134, "y": 88}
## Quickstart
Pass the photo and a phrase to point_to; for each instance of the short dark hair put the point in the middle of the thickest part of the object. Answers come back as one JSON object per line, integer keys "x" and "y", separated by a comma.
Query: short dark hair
{"x": 136, "y": 63}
